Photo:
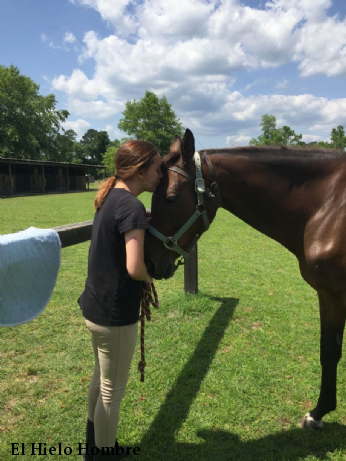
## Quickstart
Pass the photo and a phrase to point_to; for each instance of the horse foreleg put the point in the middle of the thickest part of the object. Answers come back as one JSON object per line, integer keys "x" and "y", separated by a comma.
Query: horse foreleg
{"x": 332, "y": 314}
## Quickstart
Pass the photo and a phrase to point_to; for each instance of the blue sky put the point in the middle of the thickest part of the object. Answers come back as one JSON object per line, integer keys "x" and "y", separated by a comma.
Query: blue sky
{"x": 222, "y": 64}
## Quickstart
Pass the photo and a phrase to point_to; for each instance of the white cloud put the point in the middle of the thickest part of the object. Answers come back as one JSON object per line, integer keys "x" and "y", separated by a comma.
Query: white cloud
{"x": 241, "y": 116}
{"x": 94, "y": 109}
{"x": 169, "y": 19}
{"x": 191, "y": 52}
{"x": 78, "y": 85}
{"x": 321, "y": 48}
{"x": 69, "y": 37}
{"x": 80, "y": 126}
{"x": 113, "y": 12}
{"x": 238, "y": 140}
{"x": 113, "y": 132}
{"x": 282, "y": 84}
{"x": 314, "y": 138}
{"x": 257, "y": 82}
{"x": 51, "y": 44}
{"x": 65, "y": 45}
{"x": 220, "y": 36}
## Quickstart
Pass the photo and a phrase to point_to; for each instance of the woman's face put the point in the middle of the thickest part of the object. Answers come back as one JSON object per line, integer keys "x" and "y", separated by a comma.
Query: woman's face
{"x": 153, "y": 175}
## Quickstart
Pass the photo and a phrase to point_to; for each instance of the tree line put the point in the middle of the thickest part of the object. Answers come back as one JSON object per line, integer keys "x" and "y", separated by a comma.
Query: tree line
{"x": 32, "y": 128}
{"x": 271, "y": 135}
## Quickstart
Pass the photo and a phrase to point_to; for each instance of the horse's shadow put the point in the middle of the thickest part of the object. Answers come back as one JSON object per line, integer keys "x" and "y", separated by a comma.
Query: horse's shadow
{"x": 293, "y": 445}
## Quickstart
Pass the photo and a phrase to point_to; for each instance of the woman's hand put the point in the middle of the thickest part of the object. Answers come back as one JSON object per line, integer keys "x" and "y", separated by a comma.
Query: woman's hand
{"x": 148, "y": 212}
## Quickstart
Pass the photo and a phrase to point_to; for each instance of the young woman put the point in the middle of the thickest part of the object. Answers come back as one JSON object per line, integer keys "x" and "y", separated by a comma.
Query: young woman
{"x": 111, "y": 299}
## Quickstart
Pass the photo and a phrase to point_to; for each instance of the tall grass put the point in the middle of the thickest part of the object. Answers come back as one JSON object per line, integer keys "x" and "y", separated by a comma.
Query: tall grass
{"x": 229, "y": 371}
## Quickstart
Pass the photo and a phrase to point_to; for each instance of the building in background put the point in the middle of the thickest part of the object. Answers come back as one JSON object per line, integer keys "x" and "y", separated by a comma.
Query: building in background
{"x": 21, "y": 177}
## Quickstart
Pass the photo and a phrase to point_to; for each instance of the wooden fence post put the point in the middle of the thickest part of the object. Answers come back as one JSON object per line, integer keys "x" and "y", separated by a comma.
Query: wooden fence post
{"x": 191, "y": 272}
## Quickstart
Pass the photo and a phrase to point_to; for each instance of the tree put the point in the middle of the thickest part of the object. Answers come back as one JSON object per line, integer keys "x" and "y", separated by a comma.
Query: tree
{"x": 338, "y": 138}
{"x": 68, "y": 149}
{"x": 151, "y": 119}
{"x": 268, "y": 125}
{"x": 321, "y": 144}
{"x": 29, "y": 122}
{"x": 94, "y": 144}
{"x": 287, "y": 137}
{"x": 109, "y": 156}
{"x": 276, "y": 136}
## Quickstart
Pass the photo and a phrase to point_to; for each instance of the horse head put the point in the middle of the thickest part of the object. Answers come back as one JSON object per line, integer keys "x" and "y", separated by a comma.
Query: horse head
{"x": 178, "y": 217}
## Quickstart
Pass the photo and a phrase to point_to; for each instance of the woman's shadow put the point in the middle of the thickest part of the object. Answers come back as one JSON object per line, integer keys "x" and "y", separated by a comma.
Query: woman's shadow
{"x": 293, "y": 444}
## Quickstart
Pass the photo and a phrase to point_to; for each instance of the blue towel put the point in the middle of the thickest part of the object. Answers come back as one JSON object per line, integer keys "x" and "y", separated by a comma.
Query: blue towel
{"x": 29, "y": 267}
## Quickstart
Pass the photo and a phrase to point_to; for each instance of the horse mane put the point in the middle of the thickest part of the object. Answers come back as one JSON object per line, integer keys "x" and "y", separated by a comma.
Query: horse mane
{"x": 270, "y": 152}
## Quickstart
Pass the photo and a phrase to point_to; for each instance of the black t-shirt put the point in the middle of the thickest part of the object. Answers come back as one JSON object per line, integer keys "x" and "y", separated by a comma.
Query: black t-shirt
{"x": 111, "y": 297}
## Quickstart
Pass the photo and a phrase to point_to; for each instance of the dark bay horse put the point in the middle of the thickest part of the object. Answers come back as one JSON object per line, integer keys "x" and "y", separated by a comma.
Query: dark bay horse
{"x": 295, "y": 196}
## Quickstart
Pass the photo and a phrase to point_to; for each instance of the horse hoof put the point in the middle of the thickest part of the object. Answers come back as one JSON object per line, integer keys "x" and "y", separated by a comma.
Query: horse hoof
{"x": 309, "y": 421}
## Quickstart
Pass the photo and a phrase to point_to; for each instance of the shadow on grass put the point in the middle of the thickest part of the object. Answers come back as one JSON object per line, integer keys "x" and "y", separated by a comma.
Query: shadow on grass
{"x": 291, "y": 445}
{"x": 176, "y": 407}
{"x": 288, "y": 445}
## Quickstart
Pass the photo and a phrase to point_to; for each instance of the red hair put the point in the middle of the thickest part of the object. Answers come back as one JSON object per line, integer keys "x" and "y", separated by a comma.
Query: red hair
{"x": 131, "y": 157}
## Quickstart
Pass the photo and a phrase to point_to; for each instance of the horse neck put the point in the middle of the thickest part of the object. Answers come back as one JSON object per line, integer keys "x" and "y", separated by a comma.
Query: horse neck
{"x": 266, "y": 195}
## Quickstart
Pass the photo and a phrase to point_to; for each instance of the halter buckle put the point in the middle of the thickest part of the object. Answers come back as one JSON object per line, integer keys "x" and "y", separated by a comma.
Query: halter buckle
{"x": 170, "y": 243}
{"x": 199, "y": 186}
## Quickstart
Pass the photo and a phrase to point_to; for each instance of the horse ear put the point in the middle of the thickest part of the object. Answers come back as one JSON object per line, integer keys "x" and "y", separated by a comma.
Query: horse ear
{"x": 188, "y": 146}
{"x": 176, "y": 144}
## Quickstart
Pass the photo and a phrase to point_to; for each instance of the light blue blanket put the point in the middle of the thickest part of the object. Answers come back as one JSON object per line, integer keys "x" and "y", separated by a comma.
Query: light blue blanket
{"x": 29, "y": 267}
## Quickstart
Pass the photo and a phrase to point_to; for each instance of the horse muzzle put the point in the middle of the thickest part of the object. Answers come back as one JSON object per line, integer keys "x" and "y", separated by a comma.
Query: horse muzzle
{"x": 163, "y": 272}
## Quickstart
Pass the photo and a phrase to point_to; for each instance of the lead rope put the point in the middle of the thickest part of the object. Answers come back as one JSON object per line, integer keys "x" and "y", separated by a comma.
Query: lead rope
{"x": 149, "y": 296}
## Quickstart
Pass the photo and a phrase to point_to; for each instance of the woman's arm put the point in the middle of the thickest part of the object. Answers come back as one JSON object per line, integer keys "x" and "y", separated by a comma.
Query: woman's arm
{"x": 134, "y": 241}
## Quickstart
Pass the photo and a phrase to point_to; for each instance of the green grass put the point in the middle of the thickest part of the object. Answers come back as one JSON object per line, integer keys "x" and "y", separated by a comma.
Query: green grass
{"x": 229, "y": 371}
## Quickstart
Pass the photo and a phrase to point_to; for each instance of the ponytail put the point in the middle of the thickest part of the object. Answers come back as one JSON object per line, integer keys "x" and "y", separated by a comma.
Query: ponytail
{"x": 104, "y": 190}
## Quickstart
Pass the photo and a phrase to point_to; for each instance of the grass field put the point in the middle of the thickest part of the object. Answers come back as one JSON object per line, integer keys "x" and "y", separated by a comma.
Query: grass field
{"x": 229, "y": 371}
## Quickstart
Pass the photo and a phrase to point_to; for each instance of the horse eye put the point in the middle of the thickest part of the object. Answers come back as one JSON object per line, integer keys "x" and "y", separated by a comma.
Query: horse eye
{"x": 172, "y": 199}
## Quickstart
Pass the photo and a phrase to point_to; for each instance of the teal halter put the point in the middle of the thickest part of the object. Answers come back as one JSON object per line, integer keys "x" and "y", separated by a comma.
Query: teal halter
{"x": 171, "y": 243}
